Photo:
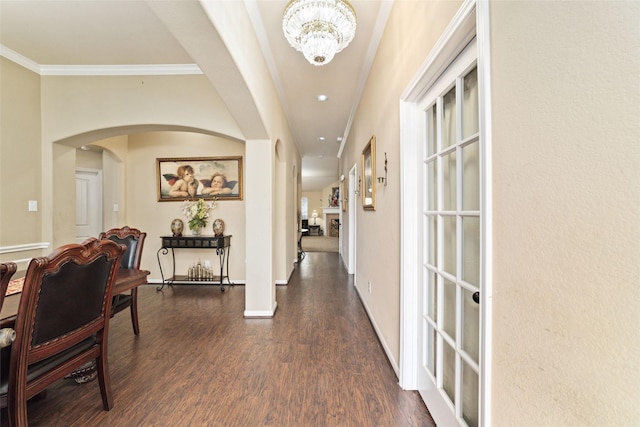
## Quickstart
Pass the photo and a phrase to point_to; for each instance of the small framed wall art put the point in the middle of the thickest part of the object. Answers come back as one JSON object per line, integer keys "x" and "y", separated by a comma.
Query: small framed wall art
{"x": 368, "y": 175}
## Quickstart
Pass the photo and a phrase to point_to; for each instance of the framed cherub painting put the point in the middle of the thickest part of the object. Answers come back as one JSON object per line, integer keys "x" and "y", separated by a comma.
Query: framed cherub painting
{"x": 187, "y": 178}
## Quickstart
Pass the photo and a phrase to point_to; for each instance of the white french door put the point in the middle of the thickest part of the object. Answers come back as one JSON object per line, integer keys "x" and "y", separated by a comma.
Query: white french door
{"x": 449, "y": 283}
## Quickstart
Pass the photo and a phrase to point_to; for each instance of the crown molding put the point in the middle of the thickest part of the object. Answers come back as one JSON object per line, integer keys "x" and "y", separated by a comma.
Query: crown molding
{"x": 14, "y": 56}
{"x": 99, "y": 70}
{"x": 120, "y": 70}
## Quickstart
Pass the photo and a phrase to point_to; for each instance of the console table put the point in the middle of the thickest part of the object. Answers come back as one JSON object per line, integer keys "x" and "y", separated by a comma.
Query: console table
{"x": 221, "y": 245}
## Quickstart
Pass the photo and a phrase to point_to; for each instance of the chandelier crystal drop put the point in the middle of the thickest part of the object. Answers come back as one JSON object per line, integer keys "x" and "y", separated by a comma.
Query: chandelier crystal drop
{"x": 319, "y": 28}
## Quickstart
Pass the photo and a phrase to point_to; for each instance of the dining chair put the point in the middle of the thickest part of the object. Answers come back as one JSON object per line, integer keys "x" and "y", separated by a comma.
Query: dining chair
{"x": 7, "y": 335}
{"x": 62, "y": 322}
{"x": 7, "y": 269}
{"x": 133, "y": 239}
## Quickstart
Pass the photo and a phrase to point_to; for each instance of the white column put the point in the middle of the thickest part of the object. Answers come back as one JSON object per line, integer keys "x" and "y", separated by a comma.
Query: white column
{"x": 260, "y": 295}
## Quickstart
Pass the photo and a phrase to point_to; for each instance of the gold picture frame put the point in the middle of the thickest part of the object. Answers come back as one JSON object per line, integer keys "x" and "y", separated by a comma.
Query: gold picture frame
{"x": 368, "y": 189}
{"x": 208, "y": 178}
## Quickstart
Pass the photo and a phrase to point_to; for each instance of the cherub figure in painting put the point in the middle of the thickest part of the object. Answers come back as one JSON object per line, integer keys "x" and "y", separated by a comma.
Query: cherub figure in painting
{"x": 186, "y": 185}
{"x": 218, "y": 185}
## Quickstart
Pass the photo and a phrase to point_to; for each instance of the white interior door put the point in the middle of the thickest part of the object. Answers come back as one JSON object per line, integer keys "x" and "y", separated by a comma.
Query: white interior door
{"x": 88, "y": 203}
{"x": 450, "y": 282}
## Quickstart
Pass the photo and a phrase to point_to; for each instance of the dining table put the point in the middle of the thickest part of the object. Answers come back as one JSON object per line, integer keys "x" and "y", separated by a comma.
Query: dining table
{"x": 126, "y": 279}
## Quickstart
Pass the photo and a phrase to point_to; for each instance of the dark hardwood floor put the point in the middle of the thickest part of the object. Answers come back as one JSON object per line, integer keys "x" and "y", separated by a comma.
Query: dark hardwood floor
{"x": 198, "y": 362}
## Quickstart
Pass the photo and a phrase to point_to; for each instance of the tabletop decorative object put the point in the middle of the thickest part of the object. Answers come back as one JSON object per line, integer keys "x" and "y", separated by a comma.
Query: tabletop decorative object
{"x": 218, "y": 227}
{"x": 176, "y": 227}
{"x": 197, "y": 212}
{"x": 7, "y": 335}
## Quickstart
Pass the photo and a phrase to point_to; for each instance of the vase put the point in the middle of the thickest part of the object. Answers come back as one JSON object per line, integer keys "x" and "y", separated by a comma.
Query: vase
{"x": 196, "y": 231}
{"x": 176, "y": 227}
{"x": 218, "y": 227}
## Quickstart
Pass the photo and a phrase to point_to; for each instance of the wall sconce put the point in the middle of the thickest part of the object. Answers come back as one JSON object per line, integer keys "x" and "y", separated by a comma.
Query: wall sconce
{"x": 383, "y": 179}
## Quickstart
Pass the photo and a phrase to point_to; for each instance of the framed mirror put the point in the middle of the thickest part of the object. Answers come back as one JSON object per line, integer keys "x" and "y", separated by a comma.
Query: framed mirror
{"x": 368, "y": 189}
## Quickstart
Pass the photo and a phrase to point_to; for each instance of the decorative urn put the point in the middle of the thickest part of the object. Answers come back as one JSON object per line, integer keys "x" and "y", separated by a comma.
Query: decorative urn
{"x": 176, "y": 227}
{"x": 218, "y": 227}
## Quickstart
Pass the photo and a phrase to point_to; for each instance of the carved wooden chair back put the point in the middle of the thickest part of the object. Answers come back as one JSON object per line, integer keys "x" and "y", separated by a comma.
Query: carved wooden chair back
{"x": 133, "y": 239}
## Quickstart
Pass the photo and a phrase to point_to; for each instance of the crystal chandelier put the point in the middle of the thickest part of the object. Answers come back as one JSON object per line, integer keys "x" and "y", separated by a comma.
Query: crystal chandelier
{"x": 319, "y": 28}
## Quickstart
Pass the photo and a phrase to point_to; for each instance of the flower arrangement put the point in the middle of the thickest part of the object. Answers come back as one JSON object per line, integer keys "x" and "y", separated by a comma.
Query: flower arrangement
{"x": 198, "y": 212}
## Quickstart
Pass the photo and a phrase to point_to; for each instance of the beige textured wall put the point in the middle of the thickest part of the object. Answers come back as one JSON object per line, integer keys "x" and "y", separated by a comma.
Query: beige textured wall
{"x": 88, "y": 159}
{"x": 566, "y": 203}
{"x": 314, "y": 202}
{"x": 75, "y": 105}
{"x": 145, "y": 212}
{"x": 412, "y": 30}
{"x": 114, "y": 176}
{"x": 20, "y": 158}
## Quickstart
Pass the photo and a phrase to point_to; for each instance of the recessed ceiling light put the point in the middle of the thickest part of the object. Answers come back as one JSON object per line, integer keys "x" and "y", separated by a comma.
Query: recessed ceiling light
{"x": 322, "y": 98}
{"x": 339, "y": 139}
{"x": 322, "y": 138}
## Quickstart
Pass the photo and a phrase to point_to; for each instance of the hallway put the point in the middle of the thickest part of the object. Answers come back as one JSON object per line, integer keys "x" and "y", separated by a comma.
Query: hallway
{"x": 197, "y": 362}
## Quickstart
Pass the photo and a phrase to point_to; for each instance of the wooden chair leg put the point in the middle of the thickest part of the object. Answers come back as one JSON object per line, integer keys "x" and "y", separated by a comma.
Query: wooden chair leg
{"x": 18, "y": 410}
{"x": 134, "y": 311}
{"x": 104, "y": 381}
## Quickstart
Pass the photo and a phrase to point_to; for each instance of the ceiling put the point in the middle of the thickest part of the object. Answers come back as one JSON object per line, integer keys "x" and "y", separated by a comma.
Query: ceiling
{"x": 78, "y": 34}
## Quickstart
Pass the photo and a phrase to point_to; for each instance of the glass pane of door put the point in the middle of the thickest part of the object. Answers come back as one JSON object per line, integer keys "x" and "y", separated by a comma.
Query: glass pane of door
{"x": 449, "y": 245}
{"x": 471, "y": 177}
{"x": 431, "y": 245}
{"x": 469, "y": 395}
{"x": 431, "y": 199}
{"x": 449, "y": 187}
{"x": 432, "y": 137}
{"x": 449, "y": 371}
{"x": 470, "y": 121}
{"x": 471, "y": 250}
{"x": 470, "y": 325}
{"x": 449, "y": 119}
{"x": 449, "y": 308}
{"x": 431, "y": 297}
{"x": 431, "y": 342}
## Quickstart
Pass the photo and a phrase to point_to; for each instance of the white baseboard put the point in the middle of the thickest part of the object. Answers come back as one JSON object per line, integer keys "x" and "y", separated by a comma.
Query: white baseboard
{"x": 260, "y": 314}
{"x": 393, "y": 363}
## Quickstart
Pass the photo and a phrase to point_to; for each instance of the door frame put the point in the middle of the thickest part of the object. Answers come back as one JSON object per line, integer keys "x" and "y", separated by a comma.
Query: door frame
{"x": 97, "y": 208}
{"x": 471, "y": 20}
{"x": 352, "y": 197}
